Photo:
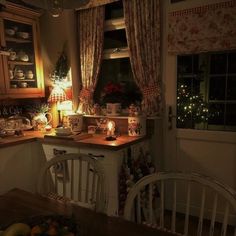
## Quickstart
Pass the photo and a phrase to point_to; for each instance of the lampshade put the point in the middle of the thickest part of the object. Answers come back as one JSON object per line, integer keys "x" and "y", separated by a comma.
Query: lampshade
{"x": 57, "y": 95}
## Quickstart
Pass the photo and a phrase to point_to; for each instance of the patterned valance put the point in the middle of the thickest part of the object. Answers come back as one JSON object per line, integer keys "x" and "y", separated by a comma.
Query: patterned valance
{"x": 206, "y": 28}
{"x": 95, "y": 3}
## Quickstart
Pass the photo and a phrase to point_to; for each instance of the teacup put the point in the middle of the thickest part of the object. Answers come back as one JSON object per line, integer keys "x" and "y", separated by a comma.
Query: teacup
{"x": 23, "y": 85}
{"x": 23, "y": 35}
{"x": 29, "y": 74}
{"x": 10, "y": 32}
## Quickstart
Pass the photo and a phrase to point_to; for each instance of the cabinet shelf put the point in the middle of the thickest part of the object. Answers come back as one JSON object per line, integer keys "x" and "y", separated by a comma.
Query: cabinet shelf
{"x": 17, "y": 40}
{"x": 22, "y": 63}
{"x": 22, "y": 80}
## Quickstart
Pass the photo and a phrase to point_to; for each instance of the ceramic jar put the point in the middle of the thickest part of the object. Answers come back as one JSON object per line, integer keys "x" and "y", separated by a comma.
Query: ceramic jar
{"x": 137, "y": 126}
{"x": 75, "y": 122}
{"x": 113, "y": 109}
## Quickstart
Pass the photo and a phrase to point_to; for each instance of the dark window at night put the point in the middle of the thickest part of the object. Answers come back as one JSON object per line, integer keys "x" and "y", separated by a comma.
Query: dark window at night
{"x": 116, "y": 67}
{"x": 206, "y": 91}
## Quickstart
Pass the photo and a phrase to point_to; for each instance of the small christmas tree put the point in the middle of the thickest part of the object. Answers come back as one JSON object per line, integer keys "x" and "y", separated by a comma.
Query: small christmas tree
{"x": 191, "y": 109}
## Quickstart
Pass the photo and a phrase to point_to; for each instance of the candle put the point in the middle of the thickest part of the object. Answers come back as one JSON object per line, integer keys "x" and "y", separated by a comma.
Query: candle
{"x": 110, "y": 128}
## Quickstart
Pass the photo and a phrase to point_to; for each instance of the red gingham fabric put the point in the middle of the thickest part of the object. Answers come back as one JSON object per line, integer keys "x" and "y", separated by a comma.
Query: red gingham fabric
{"x": 57, "y": 95}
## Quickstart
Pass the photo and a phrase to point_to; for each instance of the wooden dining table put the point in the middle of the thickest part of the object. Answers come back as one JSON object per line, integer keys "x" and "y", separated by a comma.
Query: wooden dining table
{"x": 17, "y": 205}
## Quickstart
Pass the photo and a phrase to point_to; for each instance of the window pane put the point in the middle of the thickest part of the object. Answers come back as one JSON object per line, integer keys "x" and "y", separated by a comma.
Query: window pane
{"x": 114, "y": 10}
{"x": 115, "y": 39}
{"x": 231, "y": 114}
{"x": 231, "y": 88}
{"x": 217, "y": 88}
{"x": 118, "y": 71}
{"x": 185, "y": 64}
{"x": 218, "y": 63}
{"x": 216, "y": 114}
{"x": 232, "y": 63}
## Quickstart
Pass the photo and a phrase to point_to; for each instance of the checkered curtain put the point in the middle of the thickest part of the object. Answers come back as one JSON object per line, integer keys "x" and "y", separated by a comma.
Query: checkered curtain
{"x": 142, "y": 19}
{"x": 91, "y": 35}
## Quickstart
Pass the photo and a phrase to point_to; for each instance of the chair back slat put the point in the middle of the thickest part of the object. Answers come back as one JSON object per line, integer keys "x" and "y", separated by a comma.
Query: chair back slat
{"x": 55, "y": 179}
{"x": 150, "y": 208}
{"x": 225, "y": 222}
{"x": 200, "y": 221}
{"x": 186, "y": 221}
{"x": 64, "y": 178}
{"x": 72, "y": 180}
{"x": 162, "y": 205}
{"x": 87, "y": 182}
{"x": 138, "y": 208}
{"x": 173, "y": 217}
{"x": 80, "y": 174}
{"x": 213, "y": 216}
{"x": 93, "y": 185}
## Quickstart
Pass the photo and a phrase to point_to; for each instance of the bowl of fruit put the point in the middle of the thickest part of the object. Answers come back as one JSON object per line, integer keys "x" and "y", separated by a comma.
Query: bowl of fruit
{"x": 51, "y": 225}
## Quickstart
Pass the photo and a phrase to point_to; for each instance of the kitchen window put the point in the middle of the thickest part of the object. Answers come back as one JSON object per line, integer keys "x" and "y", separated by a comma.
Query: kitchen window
{"x": 206, "y": 91}
{"x": 116, "y": 64}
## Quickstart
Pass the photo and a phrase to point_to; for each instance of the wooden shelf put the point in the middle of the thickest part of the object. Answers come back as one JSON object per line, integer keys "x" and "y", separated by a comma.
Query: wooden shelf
{"x": 23, "y": 63}
{"x": 18, "y": 40}
{"x": 22, "y": 80}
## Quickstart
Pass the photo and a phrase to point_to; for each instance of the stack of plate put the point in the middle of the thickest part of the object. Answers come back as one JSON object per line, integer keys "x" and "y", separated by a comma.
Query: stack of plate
{"x": 63, "y": 131}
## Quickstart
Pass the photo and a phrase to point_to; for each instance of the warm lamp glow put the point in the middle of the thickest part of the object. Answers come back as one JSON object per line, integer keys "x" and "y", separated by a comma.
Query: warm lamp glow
{"x": 57, "y": 95}
{"x": 110, "y": 130}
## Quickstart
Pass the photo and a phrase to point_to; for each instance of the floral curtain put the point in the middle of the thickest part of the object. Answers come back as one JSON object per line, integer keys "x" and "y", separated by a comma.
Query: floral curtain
{"x": 206, "y": 28}
{"x": 142, "y": 19}
{"x": 91, "y": 28}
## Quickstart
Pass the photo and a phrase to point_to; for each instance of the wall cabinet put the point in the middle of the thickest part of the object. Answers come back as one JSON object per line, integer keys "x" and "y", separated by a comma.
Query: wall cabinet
{"x": 111, "y": 161}
{"x": 21, "y": 68}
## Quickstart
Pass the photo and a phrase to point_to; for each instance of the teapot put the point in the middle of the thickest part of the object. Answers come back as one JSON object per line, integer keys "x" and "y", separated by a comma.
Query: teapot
{"x": 41, "y": 120}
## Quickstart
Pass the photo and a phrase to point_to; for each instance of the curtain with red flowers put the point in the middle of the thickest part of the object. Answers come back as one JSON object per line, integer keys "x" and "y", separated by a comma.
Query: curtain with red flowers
{"x": 142, "y": 20}
{"x": 90, "y": 28}
{"x": 205, "y": 28}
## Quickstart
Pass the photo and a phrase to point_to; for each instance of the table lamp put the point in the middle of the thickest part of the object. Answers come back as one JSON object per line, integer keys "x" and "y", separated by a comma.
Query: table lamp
{"x": 57, "y": 95}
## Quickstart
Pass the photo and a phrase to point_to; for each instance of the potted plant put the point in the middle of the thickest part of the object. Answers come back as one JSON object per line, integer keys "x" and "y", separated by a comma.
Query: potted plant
{"x": 113, "y": 95}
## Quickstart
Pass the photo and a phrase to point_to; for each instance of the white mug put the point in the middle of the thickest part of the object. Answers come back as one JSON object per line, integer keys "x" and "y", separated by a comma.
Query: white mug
{"x": 75, "y": 122}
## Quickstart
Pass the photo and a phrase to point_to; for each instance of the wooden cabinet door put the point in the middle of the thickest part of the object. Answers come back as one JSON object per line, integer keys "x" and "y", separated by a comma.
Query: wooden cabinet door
{"x": 23, "y": 73}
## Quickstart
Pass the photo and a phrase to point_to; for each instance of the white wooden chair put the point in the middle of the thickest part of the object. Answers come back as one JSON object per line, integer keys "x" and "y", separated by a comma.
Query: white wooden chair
{"x": 205, "y": 205}
{"x": 74, "y": 177}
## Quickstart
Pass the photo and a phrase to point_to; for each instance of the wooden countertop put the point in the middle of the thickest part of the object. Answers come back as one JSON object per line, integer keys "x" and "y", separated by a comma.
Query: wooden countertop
{"x": 94, "y": 141}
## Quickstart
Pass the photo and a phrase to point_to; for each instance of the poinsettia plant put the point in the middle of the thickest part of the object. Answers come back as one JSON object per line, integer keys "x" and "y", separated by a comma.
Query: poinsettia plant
{"x": 113, "y": 93}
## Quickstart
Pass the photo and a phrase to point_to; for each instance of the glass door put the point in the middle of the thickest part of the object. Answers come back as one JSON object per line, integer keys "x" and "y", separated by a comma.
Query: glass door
{"x": 23, "y": 76}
